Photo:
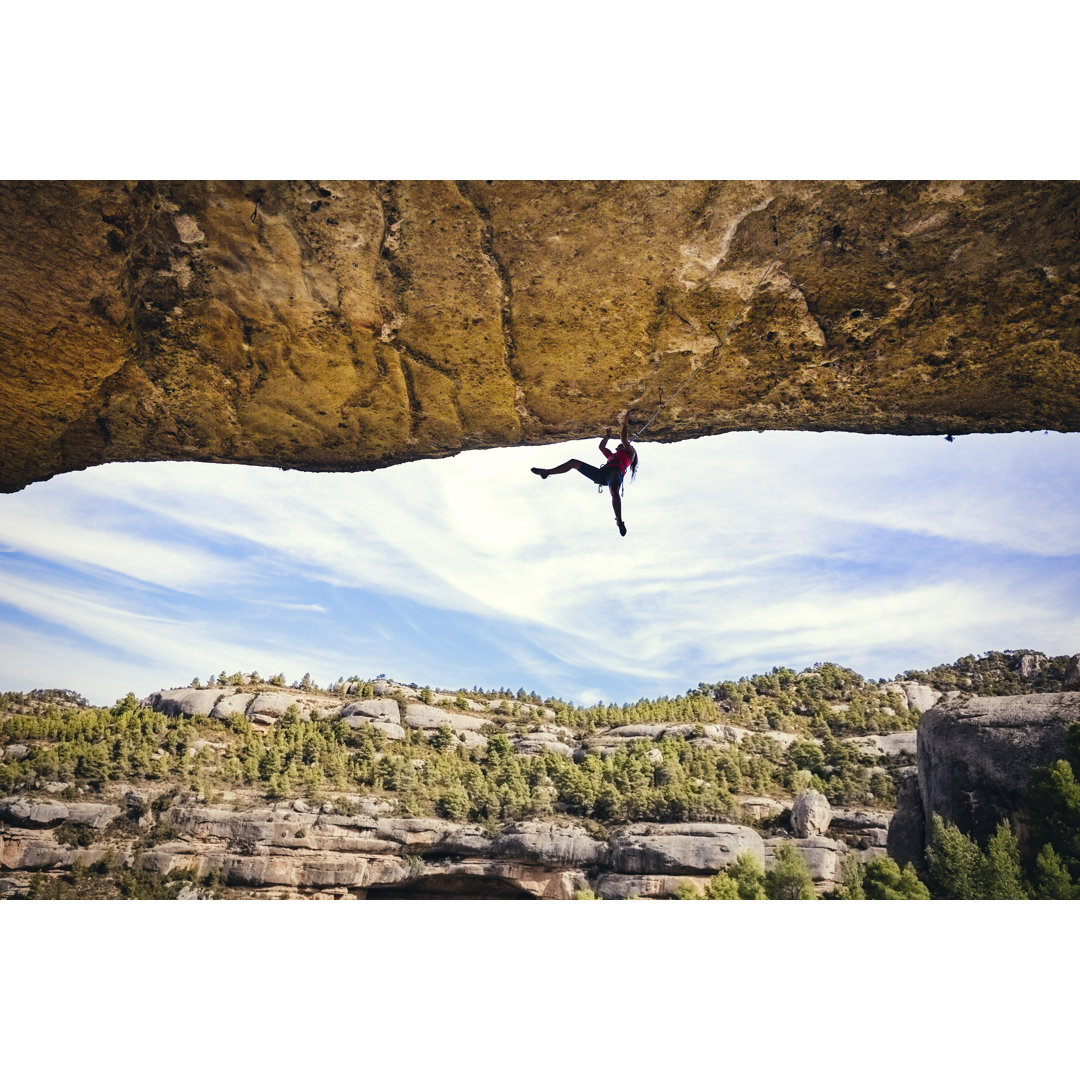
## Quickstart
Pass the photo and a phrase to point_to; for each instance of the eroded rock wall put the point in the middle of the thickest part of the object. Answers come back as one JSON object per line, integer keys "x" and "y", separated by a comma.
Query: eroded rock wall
{"x": 977, "y": 757}
{"x": 297, "y": 849}
{"x": 352, "y": 325}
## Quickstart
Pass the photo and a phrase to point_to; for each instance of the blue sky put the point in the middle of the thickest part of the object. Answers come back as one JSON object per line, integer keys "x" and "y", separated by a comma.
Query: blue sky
{"x": 744, "y": 551}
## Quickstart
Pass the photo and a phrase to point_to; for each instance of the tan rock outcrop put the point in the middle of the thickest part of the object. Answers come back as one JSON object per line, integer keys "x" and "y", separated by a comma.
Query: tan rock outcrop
{"x": 1072, "y": 673}
{"x": 431, "y": 717}
{"x": 34, "y": 813}
{"x": 760, "y": 808}
{"x": 351, "y": 325}
{"x": 372, "y": 709}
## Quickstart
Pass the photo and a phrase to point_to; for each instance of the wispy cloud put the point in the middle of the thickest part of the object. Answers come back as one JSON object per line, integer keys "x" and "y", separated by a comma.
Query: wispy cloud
{"x": 321, "y": 608}
{"x": 83, "y": 531}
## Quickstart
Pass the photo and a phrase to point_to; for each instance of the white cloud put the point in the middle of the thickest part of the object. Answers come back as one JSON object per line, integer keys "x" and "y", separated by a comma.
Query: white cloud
{"x": 740, "y": 548}
{"x": 320, "y": 608}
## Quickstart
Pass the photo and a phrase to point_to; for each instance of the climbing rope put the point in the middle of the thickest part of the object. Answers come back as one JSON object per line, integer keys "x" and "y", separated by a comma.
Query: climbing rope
{"x": 720, "y": 339}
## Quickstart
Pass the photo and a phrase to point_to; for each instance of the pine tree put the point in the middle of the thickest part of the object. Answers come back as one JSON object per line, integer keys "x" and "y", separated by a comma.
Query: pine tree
{"x": 1050, "y": 880}
{"x": 884, "y": 880}
{"x": 1000, "y": 875}
{"x": 1054, "y": 813}
{"x": 953, "y": 860}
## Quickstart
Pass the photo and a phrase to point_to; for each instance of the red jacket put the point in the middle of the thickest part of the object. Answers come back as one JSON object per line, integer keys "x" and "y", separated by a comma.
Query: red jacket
{"x": 621, "y": 458}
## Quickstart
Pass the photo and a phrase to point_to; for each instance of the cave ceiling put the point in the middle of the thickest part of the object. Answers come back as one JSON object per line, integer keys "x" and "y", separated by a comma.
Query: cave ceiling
{"x": 330, "y": 325}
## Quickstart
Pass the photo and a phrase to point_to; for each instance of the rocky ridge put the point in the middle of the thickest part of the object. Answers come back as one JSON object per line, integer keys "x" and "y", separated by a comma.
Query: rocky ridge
{"x": 360, "y": 848}
{"x": 974, "y": 757}
{"x": 396, "y": 707}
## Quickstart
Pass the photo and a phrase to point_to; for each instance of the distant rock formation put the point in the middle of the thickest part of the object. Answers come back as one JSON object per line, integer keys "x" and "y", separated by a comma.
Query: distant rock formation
{"x": 977, "y": 757}
{"x": 396, "y": 707}
{"x": 917, "y": 695}
{"x": 1072, "y": 673}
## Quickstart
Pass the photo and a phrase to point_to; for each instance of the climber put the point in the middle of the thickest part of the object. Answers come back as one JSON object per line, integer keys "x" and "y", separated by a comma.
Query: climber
{"x": 610, "y": 475}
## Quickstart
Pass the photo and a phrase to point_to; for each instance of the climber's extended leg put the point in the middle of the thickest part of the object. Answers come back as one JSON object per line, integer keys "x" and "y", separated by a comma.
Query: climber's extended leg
{"x": 566, "y": 466}
{"x": 616, "y": 502}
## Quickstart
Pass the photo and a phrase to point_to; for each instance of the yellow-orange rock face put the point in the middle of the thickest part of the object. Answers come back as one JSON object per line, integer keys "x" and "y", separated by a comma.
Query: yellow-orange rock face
{"x": 352, "y": 325}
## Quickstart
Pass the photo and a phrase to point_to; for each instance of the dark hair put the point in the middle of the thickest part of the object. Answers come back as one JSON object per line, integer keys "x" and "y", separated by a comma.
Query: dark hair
{"x": 633, "y": 462}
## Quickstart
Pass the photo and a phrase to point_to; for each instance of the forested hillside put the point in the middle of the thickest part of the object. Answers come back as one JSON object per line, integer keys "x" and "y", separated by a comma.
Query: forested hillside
{"x": 64, "y": 740}
{"x": 718, "y": 753}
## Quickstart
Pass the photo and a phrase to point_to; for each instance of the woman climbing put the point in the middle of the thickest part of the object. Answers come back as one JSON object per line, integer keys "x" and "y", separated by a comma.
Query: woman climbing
{"x": 610, "y": 475}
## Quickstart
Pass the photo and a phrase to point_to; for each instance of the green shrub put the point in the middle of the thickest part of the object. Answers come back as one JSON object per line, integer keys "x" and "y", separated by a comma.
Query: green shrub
{"x": 789, "y": 878}
{"x": 163, "y": 832}
{"x": 71, "y": 834}
{"x": 721, "y": 887}
{"x": 453, "y": 804}
{"x": 744, "y": 879}
{"x": 853, "y": 873}
{"x": 748, "y": 875}
{"x": 884, "y": 880}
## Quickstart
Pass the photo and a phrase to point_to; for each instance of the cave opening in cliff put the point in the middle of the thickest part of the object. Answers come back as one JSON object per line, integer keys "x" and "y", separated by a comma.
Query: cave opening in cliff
{"x": 452, "y": 887}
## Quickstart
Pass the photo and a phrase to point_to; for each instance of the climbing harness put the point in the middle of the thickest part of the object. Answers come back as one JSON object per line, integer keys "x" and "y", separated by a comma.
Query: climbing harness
{"x": 721, "y": 338}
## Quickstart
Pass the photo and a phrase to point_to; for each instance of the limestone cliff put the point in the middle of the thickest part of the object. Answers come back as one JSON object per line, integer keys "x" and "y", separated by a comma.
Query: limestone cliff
{"x": 352, "y": 325}
{"x": 978, "y": 757}
{"x": 300, "y": 850}
{"x": 317, "y": 852}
